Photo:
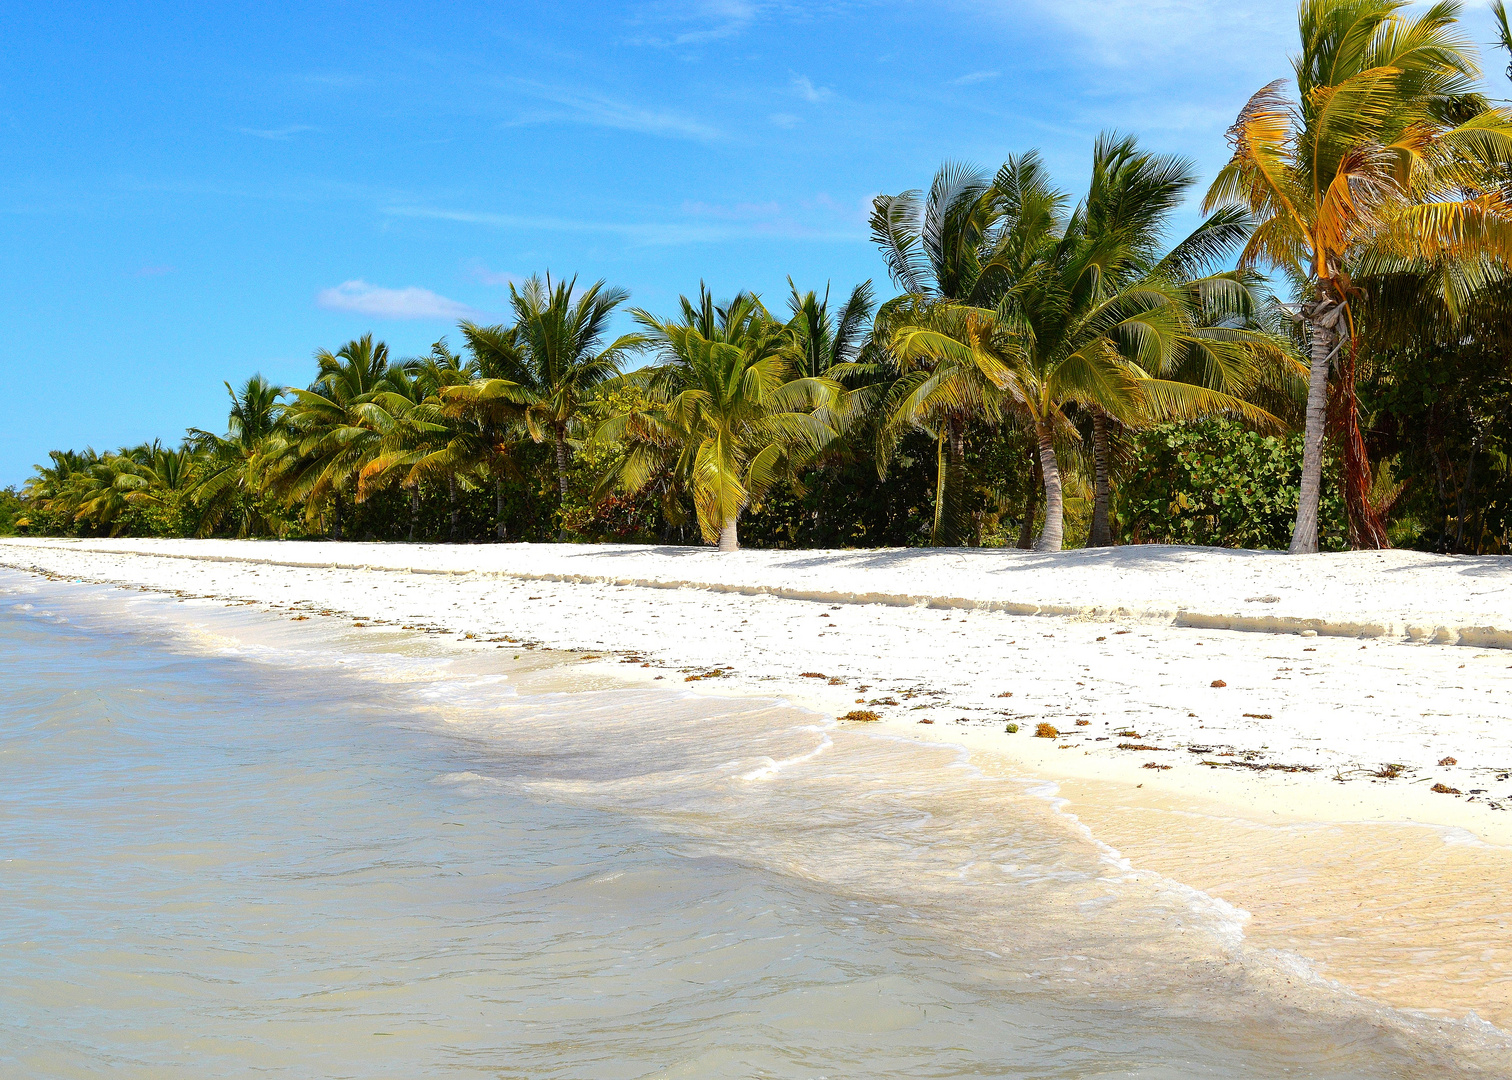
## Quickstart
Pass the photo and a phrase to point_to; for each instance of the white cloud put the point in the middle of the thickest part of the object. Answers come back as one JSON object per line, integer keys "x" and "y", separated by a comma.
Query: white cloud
{"x": 380, "y": 303}
{"x": 809, "y": 92}
{"x": 974, "y": 77}
{"x": 582, "y": 107}
{"x": 784, "y": 120}
{"x": 278, "y": 134}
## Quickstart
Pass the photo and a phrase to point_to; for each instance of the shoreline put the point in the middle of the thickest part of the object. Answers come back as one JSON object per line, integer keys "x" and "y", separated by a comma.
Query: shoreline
{"x": 1427, "y": 869}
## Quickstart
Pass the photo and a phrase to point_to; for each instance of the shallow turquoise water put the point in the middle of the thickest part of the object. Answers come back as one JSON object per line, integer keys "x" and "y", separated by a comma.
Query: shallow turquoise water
{"x": 235, "y": 846}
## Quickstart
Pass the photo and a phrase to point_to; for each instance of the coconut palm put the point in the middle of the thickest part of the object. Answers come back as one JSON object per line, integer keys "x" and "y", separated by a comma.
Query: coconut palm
{"x": 553, "y": 359}
{"x": 729, "y": 415}
{"x": 228, "y": 476}
{"x": 1087, "y": 312}
{"x": 333, "y": 428}
{"x": 1386, "y": 149}
{"x": 827, "y": 339}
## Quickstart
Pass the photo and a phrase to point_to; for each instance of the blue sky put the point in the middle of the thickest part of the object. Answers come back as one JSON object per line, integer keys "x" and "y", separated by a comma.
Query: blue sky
{"x": 190, "y": 193}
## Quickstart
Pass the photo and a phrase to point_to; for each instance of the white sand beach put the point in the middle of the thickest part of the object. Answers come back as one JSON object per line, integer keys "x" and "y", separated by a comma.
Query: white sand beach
{"x": 1224, "y": 718}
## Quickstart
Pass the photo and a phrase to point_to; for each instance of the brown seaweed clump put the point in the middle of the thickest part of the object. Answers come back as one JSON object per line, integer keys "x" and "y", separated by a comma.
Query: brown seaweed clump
{"x": 861, "y": 716}
{"x": 1046, "y": 731}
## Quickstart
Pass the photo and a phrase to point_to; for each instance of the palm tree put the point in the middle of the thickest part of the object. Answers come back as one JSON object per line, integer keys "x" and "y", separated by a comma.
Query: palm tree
{"x": 1386, "y": 149}
{"x": 959, "y": 245}
{"x": 1086, "y": 311}
{"x": 553, "y": 359}
{"x": 941, "y": 390}
{"x": 729, "y": 416}
{"x": 827, "y": 339}
{"x": 333, "y": 428}
{"x": 227, "y": 476}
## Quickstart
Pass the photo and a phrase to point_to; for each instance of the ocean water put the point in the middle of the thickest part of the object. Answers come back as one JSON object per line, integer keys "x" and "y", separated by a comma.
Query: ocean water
{"x": 232, "y": 845}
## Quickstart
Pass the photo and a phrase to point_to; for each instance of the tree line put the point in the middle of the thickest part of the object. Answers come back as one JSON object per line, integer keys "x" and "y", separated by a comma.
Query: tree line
{"x": 1321, "y": 363}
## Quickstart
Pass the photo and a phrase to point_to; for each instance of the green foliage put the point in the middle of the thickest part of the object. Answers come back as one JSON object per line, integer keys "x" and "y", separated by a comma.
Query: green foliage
{"x": 1440, "y": 420}
{"x": 11, "y": 508}
{"x": 1219, "y": 484}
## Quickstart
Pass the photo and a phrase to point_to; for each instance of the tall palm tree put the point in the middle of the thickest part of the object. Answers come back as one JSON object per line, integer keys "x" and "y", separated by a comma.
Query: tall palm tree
{"x": 957, "y": 245}
{"x": 730, "y": 414}
{"x": 554, "y": 358}
{"x": 1086, "y": 311}
{"x": 1386, "y": 148}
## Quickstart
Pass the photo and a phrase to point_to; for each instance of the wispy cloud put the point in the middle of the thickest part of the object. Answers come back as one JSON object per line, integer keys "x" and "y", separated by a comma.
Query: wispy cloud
{"x": 482, "y": 274}
{"x": 710, "y": 224}
{"x": 785, "y": 120}
{"x": 597, "y": 110}
{"x": 278, "y": 134}
{"x": 698, "y": 22}
{"x": 975, "y": 77}
{"x": 1133, "y": 32}
{"x": 380, "y": 303}
{"x": 805, "y": 88}
{"x": 333, "y": 78}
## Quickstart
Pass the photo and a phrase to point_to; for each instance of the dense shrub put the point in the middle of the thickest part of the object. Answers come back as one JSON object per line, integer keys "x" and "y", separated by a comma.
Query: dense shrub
{"x": 1219, "y": 484}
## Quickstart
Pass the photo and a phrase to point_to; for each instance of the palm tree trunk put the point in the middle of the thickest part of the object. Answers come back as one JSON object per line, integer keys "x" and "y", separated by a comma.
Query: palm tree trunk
{"x": 1102, "y": 532}
{"x": 451, "y": 502}
{"x": 950, "y": 472}
{"x": 1031, "y": 505}
{"x": 561, "y": 465}
{"x": 1459, "y": 529}
{"x": 1322, "y": 318}
{"x": 337, "y": 495}
{"x": 1051, "y": 534}
{"x": 499, "y": 508}
{"x": 414, "y": 510}
{"x": 561, "y": 462}
{"x": 729, "y": 534}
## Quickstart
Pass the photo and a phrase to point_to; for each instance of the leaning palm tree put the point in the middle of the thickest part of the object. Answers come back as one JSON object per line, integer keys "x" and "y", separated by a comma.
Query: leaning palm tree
{"x": 728, "y": 413}
{"x": 1386, "y": 149}
{"x": 553, "y": 359}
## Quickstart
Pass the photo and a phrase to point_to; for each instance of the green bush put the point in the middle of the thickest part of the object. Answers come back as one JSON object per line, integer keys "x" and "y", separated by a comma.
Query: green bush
{"x": 1219, "y": 484}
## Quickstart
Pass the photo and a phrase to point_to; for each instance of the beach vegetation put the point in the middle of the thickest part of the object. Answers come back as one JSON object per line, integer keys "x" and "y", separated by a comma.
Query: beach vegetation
{"x": 1381, "y": 164}
{"x": 1044, "y": 370}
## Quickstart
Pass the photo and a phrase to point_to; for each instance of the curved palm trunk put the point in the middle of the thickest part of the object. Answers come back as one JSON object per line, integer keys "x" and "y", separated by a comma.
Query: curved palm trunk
{"x": 1051, "y": 534}
{"x": 337, "y": 533}
{"x": 499, "y": 508}
{"x": 1102, "y": 532}
{"x": 729, "y": 534}
{"x": 1031, "y": 504}
{"x": 451, "y": 501}
{"x": 1322, "y": 319}
{"x": 414, "y": 511}
{"x": 950, "y": 483}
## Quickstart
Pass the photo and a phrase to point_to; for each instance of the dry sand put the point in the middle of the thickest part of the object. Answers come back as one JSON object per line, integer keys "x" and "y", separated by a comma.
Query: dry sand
{"x": 1332, "y": 665}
